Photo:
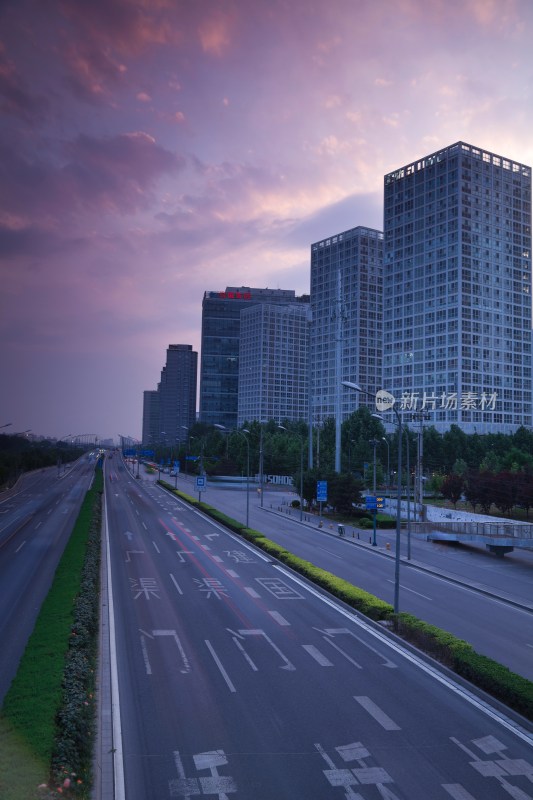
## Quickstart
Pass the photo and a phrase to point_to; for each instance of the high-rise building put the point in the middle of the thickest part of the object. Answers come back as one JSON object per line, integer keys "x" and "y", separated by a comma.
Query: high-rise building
{"x": 219, "y": 360}
{"x": 273, "y": 363}
{"x": 457, "y": 289}
{"x": 346, "y": 306}
{"x": 151, "y": 424}
{"x": 172, "y": 408}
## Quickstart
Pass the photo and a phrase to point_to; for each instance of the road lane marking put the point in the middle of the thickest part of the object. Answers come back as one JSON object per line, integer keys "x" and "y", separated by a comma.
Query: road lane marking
{"x": 243, "y": 632}
{"x": 156, "y": 548}
{"x": 218, "y": 559}
{"x": 407, "y": 589}
{"x": 276, "y": 616}
{"x": 315, "y": 653}
{"x": 232, "y": 573}
{"x": 341, "y": 651}
{"x": 376, "y": 712}
{"x": 217, "y": 661}
{"x": 20, "y": 546}
{"x": 456, "y": 791}
{"x": 146, "y": 660}
{"x": 174, "y": 581}
{"x": 252, "y": 592}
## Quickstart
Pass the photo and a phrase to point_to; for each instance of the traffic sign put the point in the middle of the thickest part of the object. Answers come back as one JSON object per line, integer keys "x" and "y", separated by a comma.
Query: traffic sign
{"x": 372, "y": 503}
{"x": 322, "y": 491}
{"x": 200, "y": 482}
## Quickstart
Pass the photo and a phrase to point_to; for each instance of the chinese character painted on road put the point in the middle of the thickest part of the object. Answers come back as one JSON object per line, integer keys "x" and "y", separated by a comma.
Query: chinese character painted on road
{"x": 240, "y": 556}
{"x": 146, "y": 587}
{"x": 211, "y": 587}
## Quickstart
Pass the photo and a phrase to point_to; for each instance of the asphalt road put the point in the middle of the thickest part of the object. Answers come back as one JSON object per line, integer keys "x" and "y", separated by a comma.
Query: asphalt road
{"x": 36, "y": 520}
{"x": 236, "y": 678}
{"x": 487, "y": 601}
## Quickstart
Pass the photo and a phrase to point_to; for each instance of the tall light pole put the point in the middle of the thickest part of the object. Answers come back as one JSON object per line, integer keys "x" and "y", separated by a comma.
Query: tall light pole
{"x": 242, "y": 433}
{"x": 185, "y": 428}
{"x": 384, "y": 439}
{"x": 282, "y": 428}
{"x": 261, "y": 464}
{"x": 356, "y": 388}
{"x": 374, "y": 443}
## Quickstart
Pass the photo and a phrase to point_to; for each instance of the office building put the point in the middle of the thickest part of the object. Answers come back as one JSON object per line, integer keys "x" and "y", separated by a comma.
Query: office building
{"x": 151, "y": 425}
{"x": 169, "y": 411}
{"x": 457, "y": 289}
{"x": 273, "y": 363}
{"x": 346, "y": 306}
{"x": 219, "y": 360}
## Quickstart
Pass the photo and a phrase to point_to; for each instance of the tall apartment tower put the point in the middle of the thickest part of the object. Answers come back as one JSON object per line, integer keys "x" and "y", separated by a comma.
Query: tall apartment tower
{"x": 346, "y": 306}
{"x": 457, "y": 289}
{"x": 171, "y": 409}
{"x": 151, "y": 424}
{"x": 273, "y": 363}
{"x": 219, "y": 361}
{"x": 177, "y": 392}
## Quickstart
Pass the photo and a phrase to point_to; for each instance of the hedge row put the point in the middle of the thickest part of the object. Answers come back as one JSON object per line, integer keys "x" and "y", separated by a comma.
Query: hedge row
{"x": 485, "y": 673}
{"x": 50, "y": 709}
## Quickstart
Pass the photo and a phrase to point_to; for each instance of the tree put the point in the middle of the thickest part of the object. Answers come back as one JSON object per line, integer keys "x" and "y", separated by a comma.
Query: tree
{"x": 452, "y": 488}
{"x": 344, "y": 490}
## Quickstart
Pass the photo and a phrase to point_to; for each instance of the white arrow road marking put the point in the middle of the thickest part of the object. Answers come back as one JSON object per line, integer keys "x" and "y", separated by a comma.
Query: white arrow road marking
{"x": 258, "y": 632}
{"x": 338, "y": 631}
{"x": 376, "y": 712}
{"x": 144, "y": 634}
{"x": 317, "y": 655}
{"x": 456, "y": 791}
{"x": 128, "y": 535}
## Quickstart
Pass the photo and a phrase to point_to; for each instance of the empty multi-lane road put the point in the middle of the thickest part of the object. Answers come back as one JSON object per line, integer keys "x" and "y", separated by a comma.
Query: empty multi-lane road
{"x": 237, "y": 678}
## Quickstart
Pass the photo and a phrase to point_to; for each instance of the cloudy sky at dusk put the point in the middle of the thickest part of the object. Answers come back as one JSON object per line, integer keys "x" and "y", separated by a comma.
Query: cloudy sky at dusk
{"x": 155, "y": 149}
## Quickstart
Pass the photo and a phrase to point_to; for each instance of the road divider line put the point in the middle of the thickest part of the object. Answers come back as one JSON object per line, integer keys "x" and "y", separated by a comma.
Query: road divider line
{"x": 315, "y": 653}
{"x": 375, "y": 711}
{"x": 217, "y": 661}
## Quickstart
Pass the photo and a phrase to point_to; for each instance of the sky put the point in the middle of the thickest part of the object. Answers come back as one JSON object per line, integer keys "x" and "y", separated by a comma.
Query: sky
{"x": 152, "y": 150}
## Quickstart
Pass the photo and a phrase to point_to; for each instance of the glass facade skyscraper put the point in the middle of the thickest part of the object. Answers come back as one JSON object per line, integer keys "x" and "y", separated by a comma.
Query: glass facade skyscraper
{"x": 346, "y": 307}
{"x": 457, "y": 289}
{"x": 273, "y": 363}
{"x": 219, "y": 360}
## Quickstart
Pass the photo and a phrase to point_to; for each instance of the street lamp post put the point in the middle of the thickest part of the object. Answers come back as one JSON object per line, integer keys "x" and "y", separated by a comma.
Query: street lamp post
{"x": 185, "y": 428}
{"x": 261, "y": 464}
{"x": 355, "y": 387}
{"x": 384, "y": 439}
{"x": 374, "y": 443}
{"x": 243, "y": 434}
{"x": 282, "y": 428}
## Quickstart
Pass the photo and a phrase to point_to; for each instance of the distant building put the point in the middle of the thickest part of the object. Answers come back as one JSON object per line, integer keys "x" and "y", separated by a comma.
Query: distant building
{"x": 151, "y": 426}
{"x": 169, "y": 411}
{"x": 457, "y": 289}
{"x": 346, "y": 306}
{"x": 273, "y": 363}
{"x": 219, "y": 360}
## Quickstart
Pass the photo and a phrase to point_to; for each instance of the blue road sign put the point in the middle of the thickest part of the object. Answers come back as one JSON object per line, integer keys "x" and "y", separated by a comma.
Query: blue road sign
{"x": 322, "y": 491}
{"x": 372, "y": 503}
